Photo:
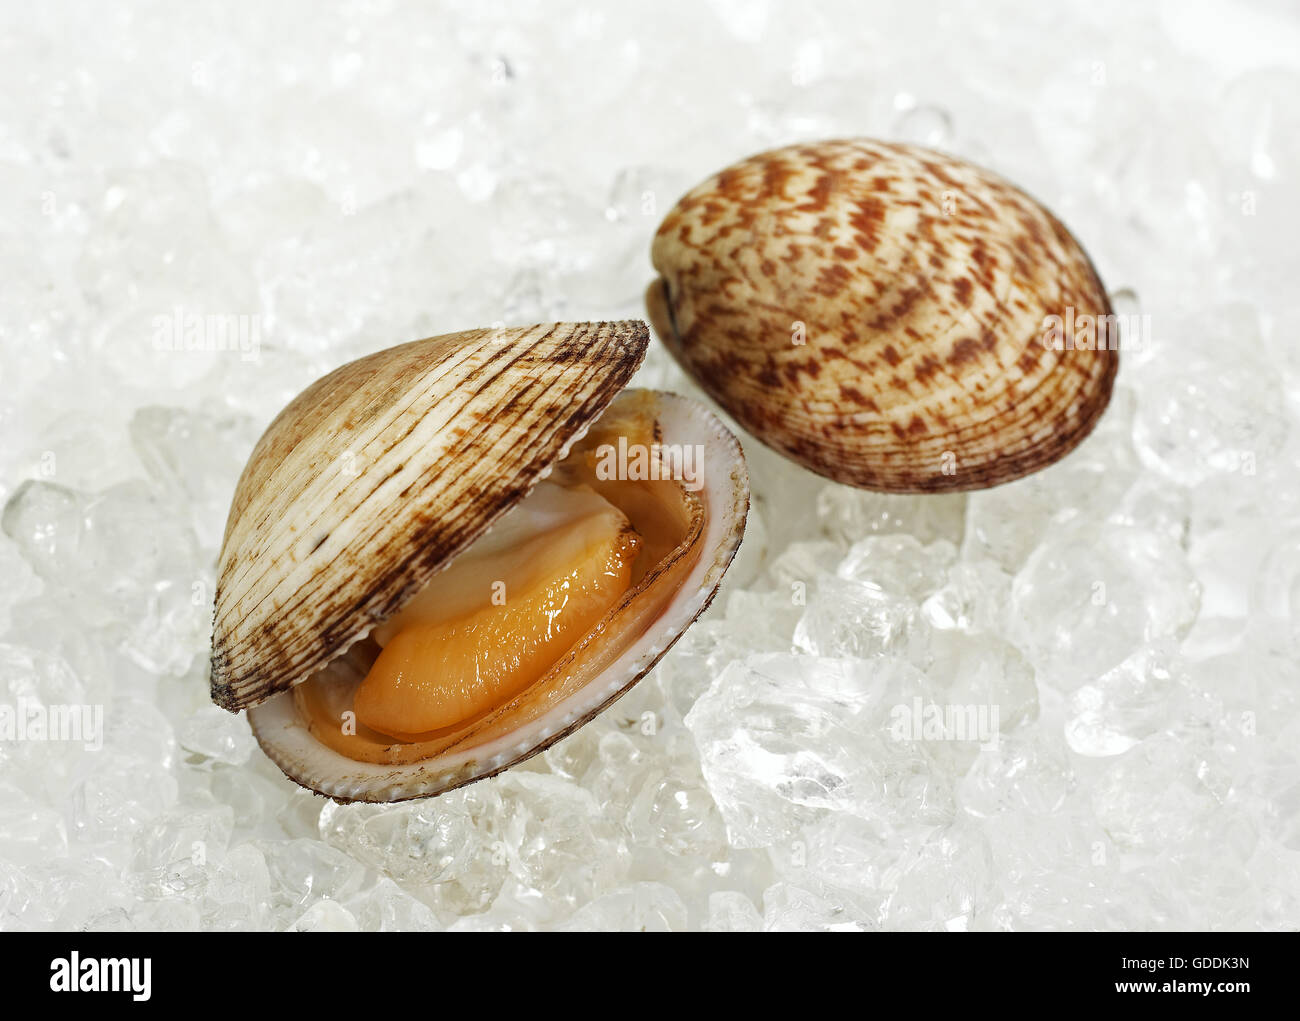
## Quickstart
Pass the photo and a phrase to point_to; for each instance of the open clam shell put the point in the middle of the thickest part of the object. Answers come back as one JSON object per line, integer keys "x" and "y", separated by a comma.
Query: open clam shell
{"x": 889, "y": 317}
{"x": 379, "y": 473}
{"x": 458, "y": 431}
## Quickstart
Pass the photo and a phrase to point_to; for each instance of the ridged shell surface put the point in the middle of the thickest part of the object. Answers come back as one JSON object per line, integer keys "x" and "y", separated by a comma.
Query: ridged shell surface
{"x": 882, "y": 314}
{"x": 379, "y": 473}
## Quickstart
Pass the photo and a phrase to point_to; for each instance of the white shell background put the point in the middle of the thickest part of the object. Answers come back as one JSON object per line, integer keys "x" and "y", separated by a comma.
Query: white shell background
{"x": 323, "y": 183}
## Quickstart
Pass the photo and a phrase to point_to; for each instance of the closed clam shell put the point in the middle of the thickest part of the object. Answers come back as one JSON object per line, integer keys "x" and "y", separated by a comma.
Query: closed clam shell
{"x": 890, "y": 317}
{"x": 379, "y": 473}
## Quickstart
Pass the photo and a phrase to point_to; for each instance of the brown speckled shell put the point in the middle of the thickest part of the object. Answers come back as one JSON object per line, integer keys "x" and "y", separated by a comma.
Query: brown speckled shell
{"x": 920, "y": 286}
{"x": 378, "y": 474}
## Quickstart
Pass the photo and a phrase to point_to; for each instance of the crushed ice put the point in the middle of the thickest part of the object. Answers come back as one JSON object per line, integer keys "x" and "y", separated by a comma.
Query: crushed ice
{"x": 203, "y": 212}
